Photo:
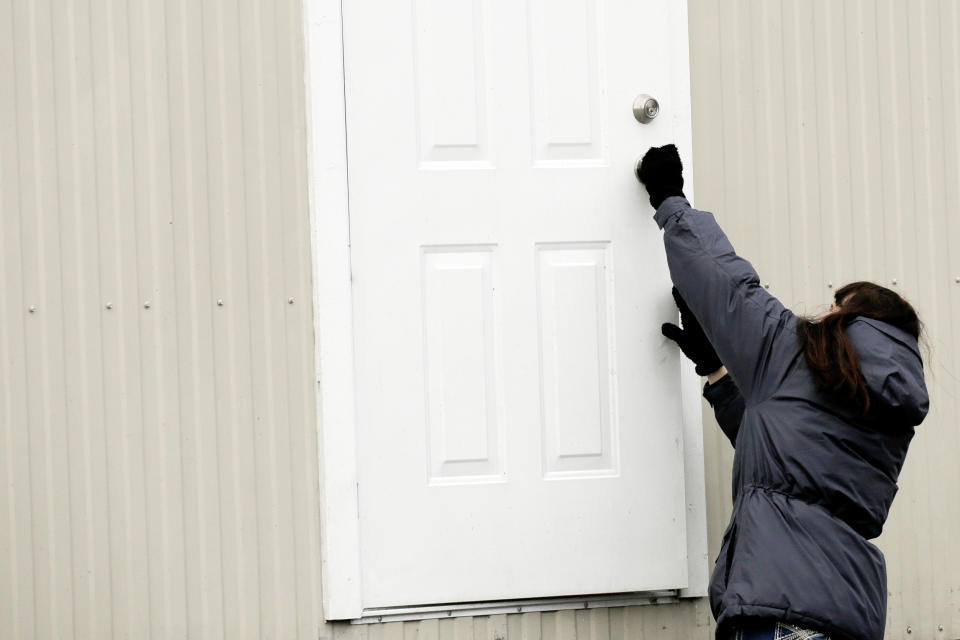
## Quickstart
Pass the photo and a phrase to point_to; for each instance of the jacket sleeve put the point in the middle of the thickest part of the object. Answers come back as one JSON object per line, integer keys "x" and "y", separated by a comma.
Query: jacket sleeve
{"x": 746, "y": 325}
{"x": 728, "y": 406}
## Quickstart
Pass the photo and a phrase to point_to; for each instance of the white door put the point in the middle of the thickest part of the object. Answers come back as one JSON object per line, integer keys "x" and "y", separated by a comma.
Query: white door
{"x": 518, "y": 412}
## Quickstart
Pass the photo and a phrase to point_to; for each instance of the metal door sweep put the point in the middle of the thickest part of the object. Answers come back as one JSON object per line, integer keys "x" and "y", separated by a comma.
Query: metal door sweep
{"x": 455, "y": 609}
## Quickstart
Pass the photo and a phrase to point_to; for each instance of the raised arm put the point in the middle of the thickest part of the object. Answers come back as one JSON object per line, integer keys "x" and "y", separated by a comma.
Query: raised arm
{"x": 744, "y": 323}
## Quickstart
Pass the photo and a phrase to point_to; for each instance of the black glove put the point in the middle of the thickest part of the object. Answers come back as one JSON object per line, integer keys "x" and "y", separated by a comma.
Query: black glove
{"x": 691, "y": 339}
{"x": 661, "y": 172}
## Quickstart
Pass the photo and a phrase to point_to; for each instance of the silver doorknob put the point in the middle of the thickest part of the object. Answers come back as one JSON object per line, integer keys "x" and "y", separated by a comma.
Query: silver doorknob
{"x": 645, "y": 108}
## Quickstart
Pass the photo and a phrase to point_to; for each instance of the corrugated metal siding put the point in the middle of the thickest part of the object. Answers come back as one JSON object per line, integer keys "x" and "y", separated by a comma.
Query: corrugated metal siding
{"x": 159, "y": 450}
{"x": 682, "y": 621}
{"x": 826, "y": 139}
{"x": 159, "y": 463}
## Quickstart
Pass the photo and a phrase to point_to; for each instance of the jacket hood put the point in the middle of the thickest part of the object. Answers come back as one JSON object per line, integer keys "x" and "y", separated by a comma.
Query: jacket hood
{"x": 893, "y": 369}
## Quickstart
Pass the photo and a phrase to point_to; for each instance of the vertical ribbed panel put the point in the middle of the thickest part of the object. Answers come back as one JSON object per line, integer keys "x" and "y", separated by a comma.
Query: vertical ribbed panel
{"x": 158, "y": 447}
{"x": 826, "y": 140}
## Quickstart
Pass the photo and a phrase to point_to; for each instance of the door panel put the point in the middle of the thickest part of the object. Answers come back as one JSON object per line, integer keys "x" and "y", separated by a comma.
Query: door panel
{"x": 518, "y": 412}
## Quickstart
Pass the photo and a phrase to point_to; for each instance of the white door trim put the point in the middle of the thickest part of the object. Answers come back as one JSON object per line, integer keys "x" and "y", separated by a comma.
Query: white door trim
{"x": 333, "y": 323}
{"x": 698, "y": 561}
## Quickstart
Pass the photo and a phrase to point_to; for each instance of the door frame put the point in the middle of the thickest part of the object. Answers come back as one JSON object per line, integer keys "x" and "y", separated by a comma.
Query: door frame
{"x": 332, "y": 305}
{"x": 327, "y": 178}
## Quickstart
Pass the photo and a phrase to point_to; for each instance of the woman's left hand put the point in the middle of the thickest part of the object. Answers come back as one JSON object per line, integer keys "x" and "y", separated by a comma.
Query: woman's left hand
{"x": 692, "y": 340}
{"x": 661, "y": 172}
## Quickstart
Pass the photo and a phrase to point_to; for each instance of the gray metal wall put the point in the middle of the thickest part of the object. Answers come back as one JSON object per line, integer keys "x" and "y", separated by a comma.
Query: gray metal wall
{"x": 159, "y": 462}
{"x": 157, "y": 449}
{"x": 826, "y": 140}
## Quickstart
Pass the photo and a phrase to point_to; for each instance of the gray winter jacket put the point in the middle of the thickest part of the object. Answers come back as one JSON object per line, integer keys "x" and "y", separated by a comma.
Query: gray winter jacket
{"x": 812, "y": 479}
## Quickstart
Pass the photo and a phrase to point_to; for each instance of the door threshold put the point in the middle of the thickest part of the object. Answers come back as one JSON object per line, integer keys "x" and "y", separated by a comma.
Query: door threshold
{"x": 458, "y": 609}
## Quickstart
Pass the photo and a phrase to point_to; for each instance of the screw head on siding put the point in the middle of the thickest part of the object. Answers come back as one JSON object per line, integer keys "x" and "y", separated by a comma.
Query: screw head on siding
{"x": 894, "y": 281}
{"x": 766, "y": 285}
{"x": 289, "y": 300}
{"x": 219, "y": 302}
{"x": 146, "y": 304}
{"x": 957, "y": 279}
{"x": 939, "y": 627}
{"x": 109, "y": 305}
{"x": 31, "y": 308}
{"x": 909, "y": 630}
{"x": 830, "y": 285}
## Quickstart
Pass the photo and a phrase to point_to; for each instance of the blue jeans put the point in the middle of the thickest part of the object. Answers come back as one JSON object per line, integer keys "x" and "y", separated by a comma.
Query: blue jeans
{"x": 769, "y": 630}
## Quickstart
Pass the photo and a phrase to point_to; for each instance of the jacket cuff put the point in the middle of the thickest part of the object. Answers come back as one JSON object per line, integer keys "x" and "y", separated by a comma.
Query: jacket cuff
{"x": 670, "y": 207}
{"x": 720, "y": 390}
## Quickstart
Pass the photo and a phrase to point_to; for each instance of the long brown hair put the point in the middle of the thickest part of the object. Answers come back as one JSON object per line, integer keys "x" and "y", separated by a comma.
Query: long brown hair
{"x": 827, "y": 349}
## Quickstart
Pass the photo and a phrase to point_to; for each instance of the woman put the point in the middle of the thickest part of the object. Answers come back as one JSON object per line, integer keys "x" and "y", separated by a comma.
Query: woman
{"x": 821, "y": 414}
